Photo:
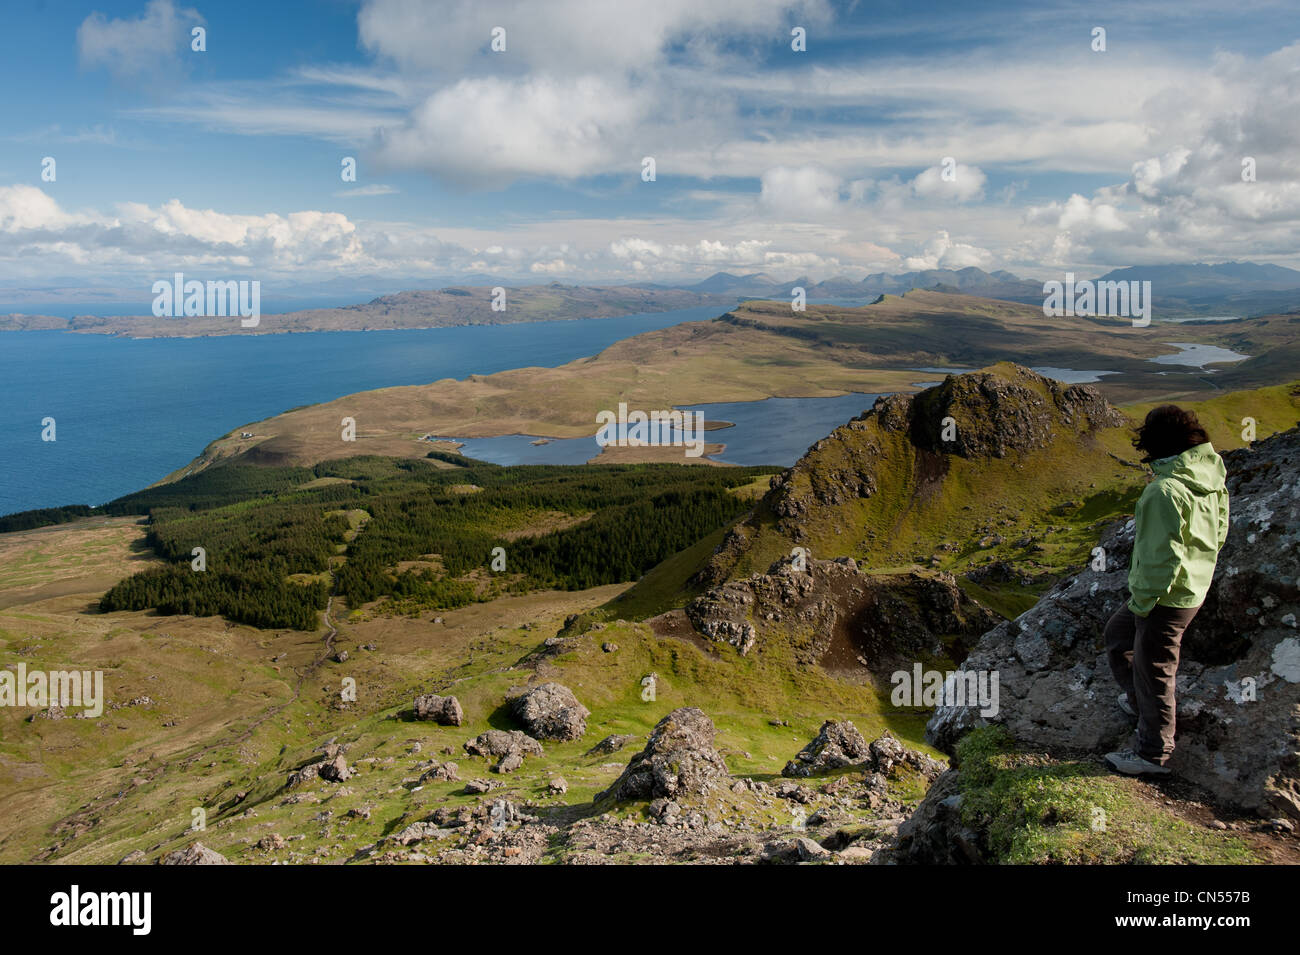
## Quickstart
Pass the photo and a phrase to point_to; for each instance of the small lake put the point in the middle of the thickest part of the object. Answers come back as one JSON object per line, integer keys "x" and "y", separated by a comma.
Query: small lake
{"x": 775, "y": 431}
{"x": 1074, "y": 376}
{"x": 1071, "y": 376}
{"x": 1198, "y": 356}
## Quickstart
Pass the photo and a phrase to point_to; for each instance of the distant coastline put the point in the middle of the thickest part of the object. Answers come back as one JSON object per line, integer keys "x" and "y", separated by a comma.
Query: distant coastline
{"x": 451, "y": 307}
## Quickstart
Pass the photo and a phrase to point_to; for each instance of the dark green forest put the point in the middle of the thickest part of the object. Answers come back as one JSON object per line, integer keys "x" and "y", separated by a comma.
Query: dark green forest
{"x": 259, "y": 526}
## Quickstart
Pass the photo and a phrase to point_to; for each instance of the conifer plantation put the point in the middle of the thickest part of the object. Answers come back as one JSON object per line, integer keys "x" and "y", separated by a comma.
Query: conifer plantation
{"x": 278, "y": 541}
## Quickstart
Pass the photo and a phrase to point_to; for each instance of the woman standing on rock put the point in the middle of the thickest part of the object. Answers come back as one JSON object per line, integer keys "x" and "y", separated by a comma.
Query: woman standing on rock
{"x": 1181, "y": 523}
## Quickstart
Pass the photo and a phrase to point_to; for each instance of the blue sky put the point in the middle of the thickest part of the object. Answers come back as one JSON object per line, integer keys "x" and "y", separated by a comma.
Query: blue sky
{"x": 525, "y": 165}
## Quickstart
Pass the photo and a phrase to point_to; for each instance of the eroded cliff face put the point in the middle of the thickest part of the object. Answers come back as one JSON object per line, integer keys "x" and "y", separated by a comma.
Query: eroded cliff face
{"x": 834, "y": 615}
{"x": 1239, "y": 679}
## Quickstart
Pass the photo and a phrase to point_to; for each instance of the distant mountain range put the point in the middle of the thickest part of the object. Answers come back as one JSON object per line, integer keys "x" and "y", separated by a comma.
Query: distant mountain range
{"x": 971, "y": 281}
{"x": 1178, "y": 291}
{"x": 1233, "y": 289}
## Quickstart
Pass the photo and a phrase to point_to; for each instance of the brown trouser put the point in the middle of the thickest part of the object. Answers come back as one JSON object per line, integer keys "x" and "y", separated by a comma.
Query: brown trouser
{"x": 1143, "y": 654}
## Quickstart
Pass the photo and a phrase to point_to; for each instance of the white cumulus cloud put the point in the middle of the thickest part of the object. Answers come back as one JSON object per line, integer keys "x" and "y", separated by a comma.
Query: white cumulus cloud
{"x": 805, "y": 192}
{"x": 153, "y": 41}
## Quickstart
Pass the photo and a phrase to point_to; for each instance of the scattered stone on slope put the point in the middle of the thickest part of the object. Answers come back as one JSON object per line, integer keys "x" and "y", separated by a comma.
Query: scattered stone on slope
{"x": 503, "y": 742}
{"x": 799, "y": 849}
{"x": 196, "y": 853}
{"x": 443, "y": 710}
{"x": 510, "y": 762}
{"x": 887, "y": 753}
{"x": 441, "y": 772}
{"x": 836, "y": 745}
{"x": 1239, "y": 676}
{"x": 550, "y": 711}
{"x": 335, "y": 770}
{"x": 418, "y": 831}
{"x": 679, "y": 759}
{"x": 611, "y": 744}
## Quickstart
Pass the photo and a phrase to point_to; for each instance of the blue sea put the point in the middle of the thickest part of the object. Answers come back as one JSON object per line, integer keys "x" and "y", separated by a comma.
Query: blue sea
{"x": 130, "y": 411}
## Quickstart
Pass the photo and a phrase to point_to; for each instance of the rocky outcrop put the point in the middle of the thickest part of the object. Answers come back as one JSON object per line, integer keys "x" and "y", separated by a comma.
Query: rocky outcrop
{"x": 836, "y": 745}
{"x": 837, "y": 616}
{"x": 435, "y": 771}
{"x": 839, "y": 744}
{"x": 898, "y": 455}
{"x": 679, "y": 760}
{"x": 994, "y": 415}
{"x": 443, "y": 710}
{"x": 887, "y": 754}
{"x": 550, "y": 711}
{"x": 934, "y": 834}
{"x": 1239, "y": 677}
{"x": 975, "y": 415}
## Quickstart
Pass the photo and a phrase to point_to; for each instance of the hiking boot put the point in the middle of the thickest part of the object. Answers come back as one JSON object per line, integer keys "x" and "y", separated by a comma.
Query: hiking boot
{"x": 1132, "y": 764}
{"x": 1126, "y": 706}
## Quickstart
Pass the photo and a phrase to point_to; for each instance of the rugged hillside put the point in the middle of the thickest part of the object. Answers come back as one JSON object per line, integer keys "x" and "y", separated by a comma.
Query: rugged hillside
{"x": 1239, "y": 678}
{"x": 963, "y": 476}
{"x": 573, "y": 739}
{"x": 837, "y": 617}
{"x": 1033, "y": 471}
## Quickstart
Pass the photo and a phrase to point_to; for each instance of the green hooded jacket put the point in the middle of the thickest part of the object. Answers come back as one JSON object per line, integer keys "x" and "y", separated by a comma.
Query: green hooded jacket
{"x": 1182, "y": 521}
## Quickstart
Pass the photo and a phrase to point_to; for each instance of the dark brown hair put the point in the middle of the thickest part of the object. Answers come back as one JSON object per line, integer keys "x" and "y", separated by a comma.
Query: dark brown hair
{"x": 1168, "y": 430}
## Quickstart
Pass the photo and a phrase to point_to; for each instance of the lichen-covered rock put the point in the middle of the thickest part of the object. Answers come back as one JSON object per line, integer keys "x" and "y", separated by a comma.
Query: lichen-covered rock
{"x": 510, "y": 762}
{"x": 335, "y": 770}
{"x": 887, "y": 753}
{"x": 443, "y": 710}
{"x": 447, "y": 772}
{"x": 836, "y": 745}
{"x": 503, "y": 742}
{"x": 679, "y": 760}
{"x": 1239, "y": 676}
{"x": 196, "y": 853}
{"x": 551, "y": 711}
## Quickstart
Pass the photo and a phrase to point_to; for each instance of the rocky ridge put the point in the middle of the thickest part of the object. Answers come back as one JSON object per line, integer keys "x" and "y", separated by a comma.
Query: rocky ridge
{"x": 1007, "y": 412}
